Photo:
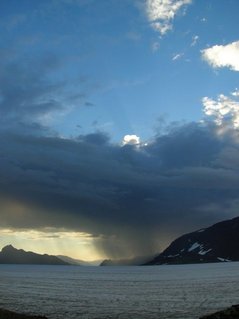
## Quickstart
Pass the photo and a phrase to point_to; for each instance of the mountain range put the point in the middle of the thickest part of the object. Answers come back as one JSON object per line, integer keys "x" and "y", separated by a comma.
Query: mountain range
{"x": 218, "y": 243}
{"x": 11, "y": 255}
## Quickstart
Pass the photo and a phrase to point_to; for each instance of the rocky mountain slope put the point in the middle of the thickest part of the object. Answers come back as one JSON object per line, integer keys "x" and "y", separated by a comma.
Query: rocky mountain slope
{"x": 218, "y": 243}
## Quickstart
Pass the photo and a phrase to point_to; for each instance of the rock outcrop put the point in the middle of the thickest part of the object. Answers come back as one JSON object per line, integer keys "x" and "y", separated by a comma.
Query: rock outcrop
{"x": 229, "y": 313}
{"x": 6, "y": 314}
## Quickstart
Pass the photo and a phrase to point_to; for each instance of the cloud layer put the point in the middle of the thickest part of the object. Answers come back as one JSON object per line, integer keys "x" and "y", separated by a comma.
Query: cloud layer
{"x": 131, "y": 199}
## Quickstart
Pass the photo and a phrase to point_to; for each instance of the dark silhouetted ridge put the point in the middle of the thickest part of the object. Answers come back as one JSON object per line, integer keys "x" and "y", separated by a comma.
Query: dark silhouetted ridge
{"x": 218, "y": 243}
{"x": 11, "y": 255}
{"x": 136, "y": 261}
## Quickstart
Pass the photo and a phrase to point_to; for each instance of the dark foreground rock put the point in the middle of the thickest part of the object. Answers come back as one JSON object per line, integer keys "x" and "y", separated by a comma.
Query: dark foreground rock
{"x": 6, "y": 314}
{"x": 229, "y": 313}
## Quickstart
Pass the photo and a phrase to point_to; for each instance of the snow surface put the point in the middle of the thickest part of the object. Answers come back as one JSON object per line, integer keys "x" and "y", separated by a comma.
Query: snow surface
{"x": 150, "y": 292}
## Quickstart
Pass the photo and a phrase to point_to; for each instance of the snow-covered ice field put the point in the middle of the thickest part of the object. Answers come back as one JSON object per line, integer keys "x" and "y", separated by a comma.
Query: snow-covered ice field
{"x": 184, "y": 291}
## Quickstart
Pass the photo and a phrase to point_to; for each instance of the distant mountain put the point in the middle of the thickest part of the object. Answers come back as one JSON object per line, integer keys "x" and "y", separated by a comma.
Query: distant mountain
{"x": 218, "y": 243}
{"x": 79, "y": 262}
{"x": 136, "y": 261}
{"x": 11, "y": 255}
{"x": 70, "y": 260}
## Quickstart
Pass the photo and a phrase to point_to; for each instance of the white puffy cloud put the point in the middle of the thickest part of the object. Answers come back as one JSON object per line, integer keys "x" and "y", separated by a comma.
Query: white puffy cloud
{"x": 160, "y": 13}
{"x": 131, "y": 140}
{"x": 219, "y": 56}
{"x": 224, "y": 110}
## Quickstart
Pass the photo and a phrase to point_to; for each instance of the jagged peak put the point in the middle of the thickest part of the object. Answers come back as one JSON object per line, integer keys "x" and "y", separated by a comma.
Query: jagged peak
{"x": 8, "y": 248}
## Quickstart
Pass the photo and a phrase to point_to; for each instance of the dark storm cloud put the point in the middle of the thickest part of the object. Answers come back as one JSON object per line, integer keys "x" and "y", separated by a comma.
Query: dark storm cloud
{"x": 133, "y": 198}
{"x": 173, "y": 148}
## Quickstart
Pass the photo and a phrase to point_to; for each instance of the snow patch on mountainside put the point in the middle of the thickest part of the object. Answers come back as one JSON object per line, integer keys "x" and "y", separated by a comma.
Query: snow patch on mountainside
{"x": 194, "y": 246}
{"x": 204, "y": 252}
{"x": 201, "y": 247}
{"x": 223, "y": 259}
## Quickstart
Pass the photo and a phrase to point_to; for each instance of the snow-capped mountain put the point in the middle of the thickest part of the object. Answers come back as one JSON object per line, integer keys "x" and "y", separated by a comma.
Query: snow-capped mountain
{"x": 218, "y": 243}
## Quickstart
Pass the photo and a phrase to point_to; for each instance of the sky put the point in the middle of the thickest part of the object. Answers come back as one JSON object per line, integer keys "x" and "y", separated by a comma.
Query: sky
{"x": 119, "y": 123}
